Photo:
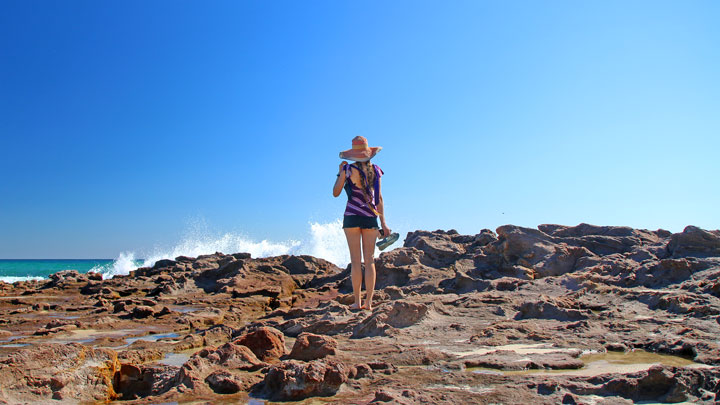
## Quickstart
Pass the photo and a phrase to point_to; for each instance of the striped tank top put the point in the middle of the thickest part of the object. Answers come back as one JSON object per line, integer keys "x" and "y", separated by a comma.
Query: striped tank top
{"x": 356, "y": 204}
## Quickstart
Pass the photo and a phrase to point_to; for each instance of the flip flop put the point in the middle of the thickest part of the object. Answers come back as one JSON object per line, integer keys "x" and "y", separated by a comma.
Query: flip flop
{"x": 384, "y": 243}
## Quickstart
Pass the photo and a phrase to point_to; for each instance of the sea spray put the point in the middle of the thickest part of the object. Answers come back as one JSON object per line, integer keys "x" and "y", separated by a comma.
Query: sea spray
{"x": 325, "y": 240}
{"x": 13, "y": 279}
{"x": 226, "y": 243}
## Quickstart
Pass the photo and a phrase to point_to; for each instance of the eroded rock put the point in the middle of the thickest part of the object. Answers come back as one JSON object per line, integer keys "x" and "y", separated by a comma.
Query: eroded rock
{"x": 45, "y": 372}
{"x": 398, "y": 314}
{"x": 293, "y": 381}
{"x": 696, "y": 242}
{"x": 309, "y": 346}
{"x": 265, "y": 342}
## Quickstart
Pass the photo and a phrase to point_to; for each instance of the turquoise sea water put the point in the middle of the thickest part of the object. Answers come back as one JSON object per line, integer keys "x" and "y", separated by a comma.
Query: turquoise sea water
{"x": 14, "y": 270}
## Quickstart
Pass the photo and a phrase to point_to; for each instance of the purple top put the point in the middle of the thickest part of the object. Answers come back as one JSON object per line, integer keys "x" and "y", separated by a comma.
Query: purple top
{"x": 356, "y": 204}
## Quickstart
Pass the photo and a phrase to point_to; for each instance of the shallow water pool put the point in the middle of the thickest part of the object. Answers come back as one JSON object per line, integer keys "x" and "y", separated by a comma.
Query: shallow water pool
{"x": 605, "y": 363}
{"x": 150, "y": 338}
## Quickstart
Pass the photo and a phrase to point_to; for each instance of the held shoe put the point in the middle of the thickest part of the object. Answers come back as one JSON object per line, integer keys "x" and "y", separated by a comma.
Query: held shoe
{"x": 385, "y": 242}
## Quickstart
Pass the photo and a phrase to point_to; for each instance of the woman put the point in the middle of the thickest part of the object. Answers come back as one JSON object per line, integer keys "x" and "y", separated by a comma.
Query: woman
{"x": 361, "y": 181}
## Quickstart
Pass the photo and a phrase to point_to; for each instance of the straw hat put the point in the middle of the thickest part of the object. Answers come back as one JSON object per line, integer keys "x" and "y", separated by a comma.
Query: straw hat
{"x": 360, "y": 151}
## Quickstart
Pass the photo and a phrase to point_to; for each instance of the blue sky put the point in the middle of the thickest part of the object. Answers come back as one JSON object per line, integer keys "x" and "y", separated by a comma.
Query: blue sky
{"x": 121, "y": 123}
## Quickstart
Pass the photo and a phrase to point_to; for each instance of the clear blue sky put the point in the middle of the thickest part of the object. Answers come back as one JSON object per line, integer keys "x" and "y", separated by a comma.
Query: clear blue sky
{"x": 122, "y": 121}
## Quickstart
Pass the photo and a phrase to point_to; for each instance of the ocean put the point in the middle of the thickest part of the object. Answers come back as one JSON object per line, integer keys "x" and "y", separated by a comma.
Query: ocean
{"x": 14, "y": 270}
{"x": 324, "y": 240}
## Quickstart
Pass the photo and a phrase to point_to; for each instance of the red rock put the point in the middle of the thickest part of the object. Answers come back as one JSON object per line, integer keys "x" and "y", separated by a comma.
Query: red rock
{"x": 267, "y": 343}
{"x": 562, "y": 261}
{"x": 438, "y": 246}
{"x": 210, "y": 316}
{"x": 386, "y": 367}
{"x": 224, "y": 382}
{"x": 652, "y": 384}
{"x": 510, "y": 360}
{"x": 57, "y": 323}
{"x": 141, "y": 381}
{"x": 164, "y": 311}
{"x": 142, "y": 311}
{"x": 217, "y": 335}
{"x": 292, "y": 381}
{"x": 239, "y": 357}
{"x": 694, "y": 241}
{"x": 548, "y": 308}
{"x": 94, "y": 276}
{"x": 101, "y": 302}
{"x": 47, "y": 331}
{"x": 142, "y": 355}
{"x": 309, "y": 346}
{"x": 406, "y": 266}
{"x": 398, "y": 314}
{"x": 362, "y": 371}
{"x": 382, "y": 396}
{"x": 195, "y": 372}
{"x": 42, "y": 372}
{"x": 569, "y": 399}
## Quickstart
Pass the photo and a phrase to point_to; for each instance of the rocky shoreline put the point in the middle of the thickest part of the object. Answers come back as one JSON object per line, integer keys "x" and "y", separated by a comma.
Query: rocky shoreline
{"x": 512, "y": 316}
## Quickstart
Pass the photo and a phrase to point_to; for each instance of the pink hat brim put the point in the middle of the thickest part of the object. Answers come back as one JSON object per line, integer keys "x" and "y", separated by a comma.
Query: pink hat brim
{"x": 360, "y": 155}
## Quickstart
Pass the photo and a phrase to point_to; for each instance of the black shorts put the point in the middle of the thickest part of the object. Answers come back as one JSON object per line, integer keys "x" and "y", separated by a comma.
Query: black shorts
{"x": 359, "y": 221}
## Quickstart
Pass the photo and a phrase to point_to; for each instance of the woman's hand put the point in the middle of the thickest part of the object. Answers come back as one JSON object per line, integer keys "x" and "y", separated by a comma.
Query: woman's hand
{"x": 386, "y": 231}
{"x": 342, "y": 165}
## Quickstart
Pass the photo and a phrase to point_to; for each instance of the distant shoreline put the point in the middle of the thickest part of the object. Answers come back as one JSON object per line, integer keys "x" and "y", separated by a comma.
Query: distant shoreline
{"x": 54, "y": 260}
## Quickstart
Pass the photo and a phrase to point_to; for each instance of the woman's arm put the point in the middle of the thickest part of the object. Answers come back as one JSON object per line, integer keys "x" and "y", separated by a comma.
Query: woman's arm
{"x": 381, "y": 211}
{"x": 340, "y": 182}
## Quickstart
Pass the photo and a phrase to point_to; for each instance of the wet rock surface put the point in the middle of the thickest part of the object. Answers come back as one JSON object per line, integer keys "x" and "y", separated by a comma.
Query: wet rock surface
{"x": 497, "y": 317}
{"x": 309, "y": 346}
{"x": 59, "y": 372}
{"x": 292, "y": 380}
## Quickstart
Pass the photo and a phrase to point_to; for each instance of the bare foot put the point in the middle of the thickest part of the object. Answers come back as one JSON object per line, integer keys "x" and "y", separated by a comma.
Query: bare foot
{"x": 356, "y": 306}
{"x": 367, "y": 306}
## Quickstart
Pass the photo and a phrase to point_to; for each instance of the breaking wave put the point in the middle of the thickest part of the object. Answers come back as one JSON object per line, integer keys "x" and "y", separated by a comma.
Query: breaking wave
{"x": 12, "y": 279}
{"x": 324, "y": 240}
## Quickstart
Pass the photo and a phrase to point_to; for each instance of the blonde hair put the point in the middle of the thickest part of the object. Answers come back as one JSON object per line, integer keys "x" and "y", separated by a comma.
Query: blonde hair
{"x": 367, "y": 188}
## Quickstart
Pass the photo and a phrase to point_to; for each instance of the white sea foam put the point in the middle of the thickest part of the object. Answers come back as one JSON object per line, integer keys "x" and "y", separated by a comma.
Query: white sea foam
{"x": 325, "y": 240}
{"x": 12, "y": 279}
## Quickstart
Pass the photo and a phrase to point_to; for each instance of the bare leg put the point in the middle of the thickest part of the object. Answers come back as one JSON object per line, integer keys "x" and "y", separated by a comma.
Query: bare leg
{"x": 353, "y": 236}
{"x": 368, "y": 246}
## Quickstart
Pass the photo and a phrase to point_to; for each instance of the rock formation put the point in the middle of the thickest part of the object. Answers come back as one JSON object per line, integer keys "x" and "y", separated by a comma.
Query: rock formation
{"x": 456, "y": 319}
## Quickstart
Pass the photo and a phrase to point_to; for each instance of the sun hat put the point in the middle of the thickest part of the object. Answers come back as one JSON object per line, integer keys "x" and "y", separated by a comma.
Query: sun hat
{"x": 360, "y": 151}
